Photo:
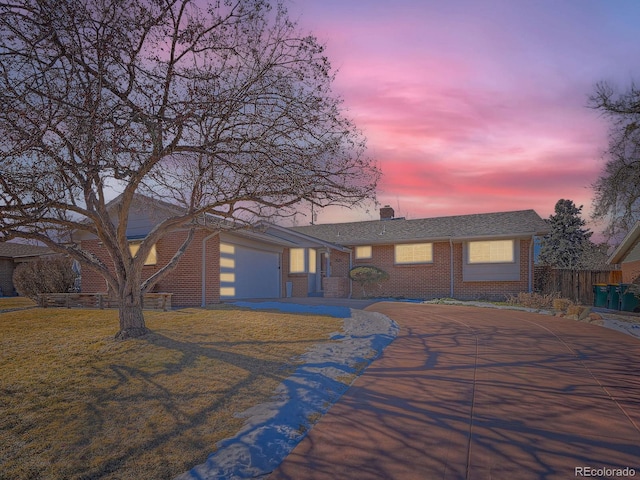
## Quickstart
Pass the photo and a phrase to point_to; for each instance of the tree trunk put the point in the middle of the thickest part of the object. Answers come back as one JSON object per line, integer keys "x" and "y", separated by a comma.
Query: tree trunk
{"x": 131, "y": 316}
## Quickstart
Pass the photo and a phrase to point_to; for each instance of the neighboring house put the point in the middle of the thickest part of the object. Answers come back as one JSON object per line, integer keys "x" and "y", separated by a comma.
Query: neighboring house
{"x": 465, "y": 256}
{"x": 468, "y": 256}
{"x": 628, "y": 255}
{"x": 11, "y": 254}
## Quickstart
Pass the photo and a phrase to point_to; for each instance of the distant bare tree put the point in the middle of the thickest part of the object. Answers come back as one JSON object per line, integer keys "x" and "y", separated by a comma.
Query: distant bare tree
{"x": 220, "y": 108}
{"x": 617, "y": 191}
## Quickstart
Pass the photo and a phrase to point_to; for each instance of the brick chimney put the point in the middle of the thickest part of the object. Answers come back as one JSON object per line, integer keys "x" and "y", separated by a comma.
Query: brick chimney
{"x": 387, "y": 213}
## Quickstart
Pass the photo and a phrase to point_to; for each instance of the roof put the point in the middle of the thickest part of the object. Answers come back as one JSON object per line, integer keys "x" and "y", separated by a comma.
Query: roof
{"x": 141, "y": 200}
{"x": 626, "y": 247}
{"x": 262, "y": 231}
{"x": 294, "y": 238}
{"x": 460, "y": 227}
{"x": 17, "y": 250}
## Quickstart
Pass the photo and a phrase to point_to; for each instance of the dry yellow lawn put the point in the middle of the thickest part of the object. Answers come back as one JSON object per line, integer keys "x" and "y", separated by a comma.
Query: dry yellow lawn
{"x": 76, "y": 404}
{"x": 11, "y": 303}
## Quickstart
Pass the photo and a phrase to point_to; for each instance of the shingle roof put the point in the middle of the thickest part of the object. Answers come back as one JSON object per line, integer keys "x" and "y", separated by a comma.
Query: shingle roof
{"x": 17, "y": 250}
{"x": 459, "y": 227}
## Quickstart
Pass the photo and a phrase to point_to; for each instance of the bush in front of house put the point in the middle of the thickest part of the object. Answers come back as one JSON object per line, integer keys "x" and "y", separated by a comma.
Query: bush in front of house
{"x": 533, "y": 299}
{"x": 52, "y": 275}
{"x": 366, "y": 276}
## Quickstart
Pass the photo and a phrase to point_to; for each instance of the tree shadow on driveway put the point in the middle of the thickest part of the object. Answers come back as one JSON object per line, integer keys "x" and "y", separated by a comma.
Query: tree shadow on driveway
{"x": 468, "y": 394}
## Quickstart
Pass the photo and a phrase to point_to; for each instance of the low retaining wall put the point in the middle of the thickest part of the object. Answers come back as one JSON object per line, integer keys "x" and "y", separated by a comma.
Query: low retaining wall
{"x": 151, "y": 301}
{"x": 335, "y": 287}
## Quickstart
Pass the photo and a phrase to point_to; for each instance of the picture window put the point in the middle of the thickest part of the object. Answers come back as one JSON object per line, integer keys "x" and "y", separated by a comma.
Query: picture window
{"x": 412, "y": 253}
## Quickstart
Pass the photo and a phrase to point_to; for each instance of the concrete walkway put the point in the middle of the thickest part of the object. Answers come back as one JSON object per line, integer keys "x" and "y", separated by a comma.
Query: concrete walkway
{"x": 323, "y": 301}
{"x": 471, "y": 393}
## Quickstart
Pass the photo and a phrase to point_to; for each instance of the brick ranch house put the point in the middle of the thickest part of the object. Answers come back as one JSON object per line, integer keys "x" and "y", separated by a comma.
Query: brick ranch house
{"x": 218, "y": 265}
{"x": 628, "y": 255}
{"x": 11, "y": 255}
{"x": 466, "y": 256}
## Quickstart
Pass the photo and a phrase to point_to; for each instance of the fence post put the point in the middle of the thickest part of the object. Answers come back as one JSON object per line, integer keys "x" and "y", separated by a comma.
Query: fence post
{"x": 164, "y": 303}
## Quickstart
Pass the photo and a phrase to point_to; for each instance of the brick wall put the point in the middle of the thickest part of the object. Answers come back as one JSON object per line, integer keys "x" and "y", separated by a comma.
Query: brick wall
{"x": 339, "y": 264}
{"x": 185, "y": 282}
{"x": 93, "y": 282}
{"x": 433, "y": 280}
{"x": 413, "y": 281}
{"x": 300, "y": 284}
{"x": 335, "y": 287}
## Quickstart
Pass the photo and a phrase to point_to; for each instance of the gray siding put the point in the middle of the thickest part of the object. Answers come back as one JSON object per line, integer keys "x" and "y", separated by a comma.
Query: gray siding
{"x": 142, "y": 219}
{"x": 6, "y": 276}
{"x": 633, "y": 255}
{"x": 491, "y": 272}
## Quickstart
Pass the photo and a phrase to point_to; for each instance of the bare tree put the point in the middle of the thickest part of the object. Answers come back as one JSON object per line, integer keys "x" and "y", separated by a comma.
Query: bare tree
{"x": 224, "y": 109}
{"x": 617, "y": 191}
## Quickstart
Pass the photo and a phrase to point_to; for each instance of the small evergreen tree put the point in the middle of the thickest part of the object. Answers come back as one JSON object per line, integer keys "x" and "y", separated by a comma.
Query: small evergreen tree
{"x": 564, "y": 246}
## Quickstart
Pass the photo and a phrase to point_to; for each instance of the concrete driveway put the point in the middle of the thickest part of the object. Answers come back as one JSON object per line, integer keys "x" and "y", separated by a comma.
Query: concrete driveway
{"x": 472, "y": 393}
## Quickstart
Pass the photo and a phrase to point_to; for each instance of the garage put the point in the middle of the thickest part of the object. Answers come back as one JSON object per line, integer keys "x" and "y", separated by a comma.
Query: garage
{"x": 248, "y": 272}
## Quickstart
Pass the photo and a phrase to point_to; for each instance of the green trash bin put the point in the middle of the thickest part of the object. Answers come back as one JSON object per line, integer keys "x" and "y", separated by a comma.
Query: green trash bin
{"x": 613, "y": 299}
{"x": 600, "y": 294}
{"x": 628, "y": 301}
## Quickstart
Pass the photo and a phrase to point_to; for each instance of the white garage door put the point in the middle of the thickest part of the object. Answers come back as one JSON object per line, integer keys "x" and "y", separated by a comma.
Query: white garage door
{"x": 248, "y": 273}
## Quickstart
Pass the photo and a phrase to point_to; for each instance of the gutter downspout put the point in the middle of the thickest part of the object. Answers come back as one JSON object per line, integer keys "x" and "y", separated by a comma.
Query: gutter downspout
{"x": 531, "y": 264}
{"x": 349, "y": 276}
{"x": 204, "y": 266}
{"x": 451, "y": 272}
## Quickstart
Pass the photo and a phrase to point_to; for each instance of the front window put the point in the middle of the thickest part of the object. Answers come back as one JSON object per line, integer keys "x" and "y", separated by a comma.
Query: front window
{"x": 303, "y": 260}
{"x": 296, "y": 260}
{"x": 493, "y": 251}
{"x": 152, "y": 258}
{"x": 364, "y": 251}
{"x": 414, "y": 253}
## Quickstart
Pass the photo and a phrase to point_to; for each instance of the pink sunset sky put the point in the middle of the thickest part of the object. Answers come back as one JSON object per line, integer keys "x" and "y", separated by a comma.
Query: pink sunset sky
{"x": 476, "y": 106}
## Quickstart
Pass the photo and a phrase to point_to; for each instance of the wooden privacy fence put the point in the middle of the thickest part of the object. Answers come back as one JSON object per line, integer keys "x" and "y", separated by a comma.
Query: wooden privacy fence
{"x": 576, "y": 285}
{"x": 152, "y": 301}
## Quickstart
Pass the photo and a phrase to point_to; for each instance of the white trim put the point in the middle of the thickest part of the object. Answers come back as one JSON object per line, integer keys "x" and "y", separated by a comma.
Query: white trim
{"x": 204, "y": 267}
{"x": 625, "y": 246}
{"x": 307, "y": 240}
